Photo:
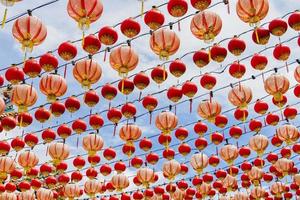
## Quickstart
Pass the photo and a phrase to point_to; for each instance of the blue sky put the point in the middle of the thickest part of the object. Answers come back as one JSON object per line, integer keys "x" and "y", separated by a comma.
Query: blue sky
{"x": 62, "y": 28}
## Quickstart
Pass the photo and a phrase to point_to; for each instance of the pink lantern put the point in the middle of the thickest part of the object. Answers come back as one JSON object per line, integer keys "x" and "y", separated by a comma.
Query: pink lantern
{"x": 44, "y": 194}
{"x": 258, "y": 143}
{"x": 171, "y": 169}
{"x": 71, "y": 191}
{"x": 209, "y": 109}
{"x": 53, "y": 86}
{"x": 120, "y": 182}
{"x": 92, "y": 187}
{"x": 92, "y": 143}
{"x": 288, "y": 134}
{"x": 7, "y": 165}
{"x": 166, "y": 122}
{"x": 23, "y": 96}
{"x": 240, "y": 96}
{"x": 145, "y": 176}
{"x": 130, "y": 133}
{"x": 58, "y": 152}
{"x": 277, "y": 86}
{"x": 28, "y": 160}
{"x": 199, "y": 162}
{"x": 229, "y": 153}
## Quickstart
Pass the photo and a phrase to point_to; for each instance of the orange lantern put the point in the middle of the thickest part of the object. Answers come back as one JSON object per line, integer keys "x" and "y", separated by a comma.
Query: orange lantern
{"x": 209, "y": 109}
{"x": 123, "y": 59}
{"x": 29, "y": 31}
{"x": 92, "y": 143}
{"x": 229, "y": 182}
{"x": 171, "y": 169}
{"x": 288, "y": 134}
{"x": 28, "y": 160}
{"x": 53, "y": 86}
{"x": 284, "y": 165}
{"x": 166, "y": 122}
{"x": 71, "y": 191}
{"x": 199, "y": 162}
{"x": 258, "y": 143}
{"x": 130, "y": 133}
{"x": 277, "y": 188}
{"x": 85, "y": 12}
{"x": 258, "y": 192}
{"x": 23, "y": 96}
{"x": 206, "y": 25}
{"x": 240, "y": 96}
{"x": 87, "y": 72}
{"x": 252, "y": 12}
{"x": 7, "y": 165}
{"x": 229, "y": 153}
{"x": 204, "y": 189}
{"x": 164, "y": 43}
{"x": 120, "y": 182}
{"x": 277, "y": 86}
{"x": 240, "y": 196}
{"x": 58, "y": 152}
{"x": 255, "y": 175}
{"x": 44, "y": 194}
{"x": 92, "y": 187}
{"x": 145, "y": 176}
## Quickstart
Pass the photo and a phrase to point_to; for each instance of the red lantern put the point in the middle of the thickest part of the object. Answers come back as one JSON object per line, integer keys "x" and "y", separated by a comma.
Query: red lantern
{"x": 136, "y": 162}
{"x": 184, "y": 149}
{"x": 181, "y": 133}
{"x": 130, "y": 28}
{"x": 42, "y": 114}
{"x": 152, "y": 158}
{"x": 114, "y": 115}
{"x": 208, "y": 81}
{"x": 189, "y": 89}
{"x": 17, "y": 144}
{"x": 214, "y": 160}
{"x": 261, "y": 36}
{"x": 107, "y": 35}
{"x": 48, "y": 135}
{"x": 294, "y": 20}
{"x": 79, "y": 126}
{"x": 159, "y": 74}
{"x": 24, "y": 119}
{"x": 141, "y": 80}
{"x": 48, "y": 62}
{"x": 201, "y": 58}
{"x": 96, "y": 121}
{"x": 255, "y": 125}
{"x": 105, "y": 170}
{"x": 150, "y": 103}
{"x": 216, "y": 138}
{"x": 218, "y": 53}
{"x": 31, "y": 140}
{"x": 91, "y": 44}
{"x": 237, "y": 70}
{"x": 261, "y": 107}
{"x": 109, "y": 92}
{"x": 154, "y": 18}
{"x": 128, "y": 110}
{"x": 200, "y": 4}
{"x": 32, "y": 68}
{"x": 177, "y": 8}
{"x": 174, "y": 94}
{"x": 177, "y": 68}
{"x": 8, "y": 123}
{"x": 290, "y": 112}
{"x": 201, "y": 143}
{"x": 200, "y": 128}
{"x": 221, "y": 121}
{"x": 67, "y": 51}
{"x": 14, "y": 75}
{"x": 64, "y": 131}
{"x": 4, "y": 148}
{"x": 57, "y": 108}
{"x": 278, "y": 27}
{"x": 145, "y": 144}
{"x": 236, "y": 46}
{"x": 72, "y": 104}
{"x": 91, "y": 98}
{"x": 281, "y": 52}
{"x": 259, "y": 62}
{"x": 126, "y": 86}
{"x": 79, "y": 162}
{"x": 235, "y": 132}
{"x": 120, "y": 167}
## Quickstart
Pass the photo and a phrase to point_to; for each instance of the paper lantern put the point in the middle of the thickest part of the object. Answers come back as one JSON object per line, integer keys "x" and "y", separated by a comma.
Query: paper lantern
{"x": 277, "y": 86}
{"x": 171, "y": 169}
{"x": 199, "y": 162}
{"x": 23, "y": 96}
{"x": 288, "y": 133}
{"x": 54, "y": 86}
{"x": 145, "y": 176}
{"x": 258, "y": 143}
{"x": 166, "y": 122}
{"x": 92, "y": 144}
{"x": 240, "y": 96}
{"x": 58, "y": 152}
{"x": 209, "y": 110}
{"x": 120, "y": 182}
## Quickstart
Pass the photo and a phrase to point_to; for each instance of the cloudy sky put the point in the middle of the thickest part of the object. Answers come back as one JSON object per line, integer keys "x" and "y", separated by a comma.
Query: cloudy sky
{"x": 62, "y": 28}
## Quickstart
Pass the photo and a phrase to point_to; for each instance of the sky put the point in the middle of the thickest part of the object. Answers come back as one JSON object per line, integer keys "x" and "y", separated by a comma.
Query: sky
{"x": 63, "y": 28}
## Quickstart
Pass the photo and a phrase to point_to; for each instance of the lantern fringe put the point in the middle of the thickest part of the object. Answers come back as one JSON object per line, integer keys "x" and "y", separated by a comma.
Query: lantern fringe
{"x": 115, "y": 129}
{"x": 4, "y": 18}
{"x": 142, "y": 7}
{"x": 256, "y": 35}
{"x": 105, "y": 52}
{"x": 150, "y": 117}
{"x": 228, "y": 7}
{"x": 191, "y": 105}
{"x": 140, "y": 96}
{"x": 287, "y": 67}
{"x": 65, "y": 71}
{"x": 179, "y": 27}
{"x": 77, "y": 142}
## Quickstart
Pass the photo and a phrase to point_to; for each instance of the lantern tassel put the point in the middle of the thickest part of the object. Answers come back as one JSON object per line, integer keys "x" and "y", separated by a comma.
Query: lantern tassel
{"x": 191, "y": 105}
{"x": 256, "y": 35}
{"x": 122, "y": 89}
{"x": 47, "y": 150}
{"x": 287, "y": 67}
{"x": 140, "y": 96}
{"x": 164, "y": 73}
{"x": 178, "y": 24}
{"x": 175, "y": 109}
{"x": 83, "y": 35}
{"x": 109, "y": 105}
{"x": 150, "y": 117}
{"x": 228, "y": 7}
{"x": 4, "y": 18}
{"x": 77, "y": 142}
{"x": 115, "y": 128}
{"x": 105, "y": 52}
{"x": 65, "y": 71}
{"x": 142, "y": 8}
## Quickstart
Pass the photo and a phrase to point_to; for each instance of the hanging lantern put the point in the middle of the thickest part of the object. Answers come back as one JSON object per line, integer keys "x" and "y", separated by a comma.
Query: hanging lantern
{"x": 240, "y": 96}
{"x": 8, "y": 123}
{"x": 32, "y": 68}
{"x": 201, "y": 58}
{"x": 154, "y": 19}
{"x": 44, "y": 194}
{"x": 126, "y": 86}
{"x": 107, "y": 35}
{"x": 278, "y": 27}
{"x": 181, "y": 133}
{"x": 29, "y": 31}
{"x": 272, "y": 119}
{"x": 28, "y": 160}
{"x": 79, "y": 126}
{"x": 200, "y": 4}
{"x": 259, "y": 62}
{"x": 145, "y": 176}
{"x": 199, "y": 162}
{"x": 92, "y": 187}
{"x": 31, "y": 140}
{"x": 206, "y": 25}
{"x": 208, "y": 81}
{"x": 284, "y": 165}
{"x": 209, "y": 110}
{"x": 130, "y": 133}
{"x": 123, "y": 59}
{"x": 177, "y": 8}
{"x": 280, "y": 103}
{"x": 54, "y": 86}
{"x": 72, "y": 104}
{"x": 58, "y": 152}
{"x": 42, "y": 114}
{"x": 237, "y": 70}
{"x": 130, "y": 28}
{"x": 48, "y": 135}
{"x": 252, "y": 12}
{"x": 189, "y": 89}
{"x": 137, "y": 162}
{"x": 109, "y": 154}
{"x": 91, "y": 44}
{"x": 14, "y": 75}
{"x": 120, "y": 182}
{"x": 229, "y": 153}
{"x": 96, "y": 121}
{"x": 288, "y": 134}
{"x": 255, "y": 175}
{"x": 91, "y": 98}
{"x": 281, "y": 52}
{"x": 159, "y": 74}
{"x": 164, "y": 43}
{"x": 71, "y": 191}
{"x": 64, "y": 131}
{"x": 67, "y": 51}
{"x": 166, "y": 122}
{"x": 177, "y": 68}
{"x": 258, "y": 143}
{"x": 236, "y": 46}
{"x": 57, "y": 108}
{"x": 92, "y": 143}
{"x": 87, "y": 72}
{"x": 277, "y": 85}
{"x": 7, "y": 165}
{"x": 48, "y": 62}
{"x": 290, "y": 112}
{"x": 109, "y": 92}
{"x": 261, "y": 36}
{"x": 171, "y": 169}
{"x": 221, "y": 121}
{"x": 174, "y": 94}
{"x": 17, "y": 144}
{"x": 23, "y": 96}
{"x": 294, "y": 20}
{"x": 141, "y": 81}
{"x": 84, "y": 13}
